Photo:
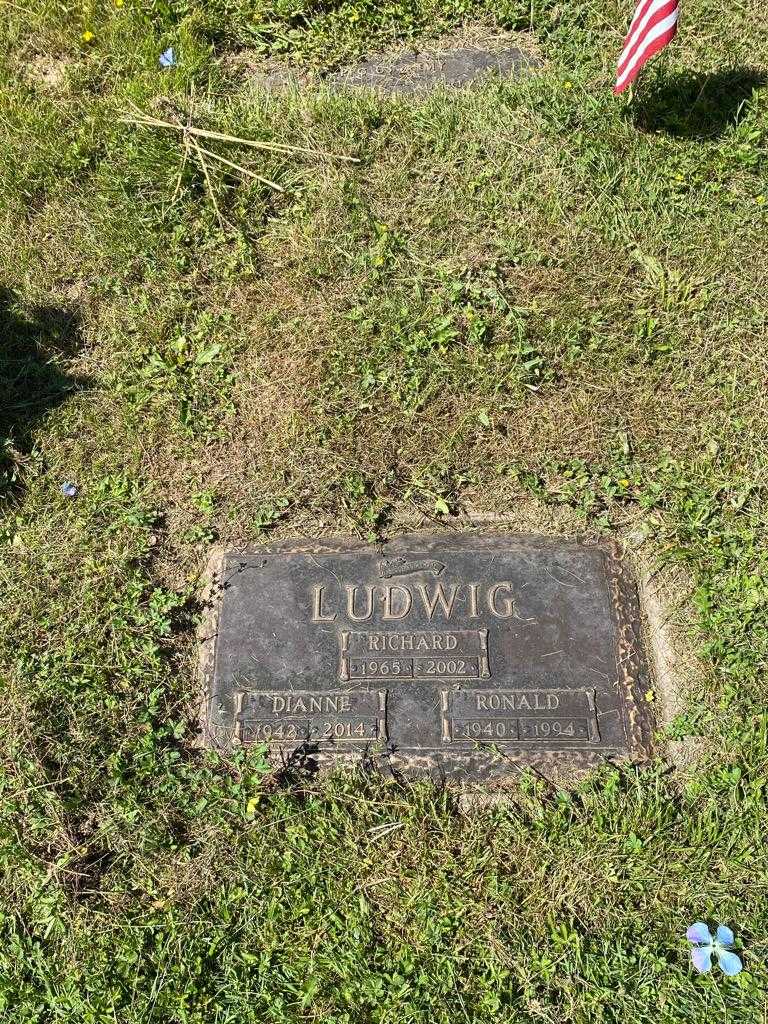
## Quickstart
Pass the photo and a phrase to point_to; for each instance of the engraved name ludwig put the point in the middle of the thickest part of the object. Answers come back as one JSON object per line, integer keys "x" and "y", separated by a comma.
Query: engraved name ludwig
{"x": 391, "y": 601}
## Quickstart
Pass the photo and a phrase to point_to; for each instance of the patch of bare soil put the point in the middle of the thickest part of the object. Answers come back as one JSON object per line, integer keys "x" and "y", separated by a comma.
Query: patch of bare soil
{"x": 47, "y": 73}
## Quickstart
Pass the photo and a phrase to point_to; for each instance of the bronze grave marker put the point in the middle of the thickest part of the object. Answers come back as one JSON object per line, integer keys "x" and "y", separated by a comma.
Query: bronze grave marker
{"x": 463, "y": 655}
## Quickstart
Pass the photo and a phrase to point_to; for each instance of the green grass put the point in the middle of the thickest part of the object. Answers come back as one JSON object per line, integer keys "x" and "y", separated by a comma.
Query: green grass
{"x": 533, "y": 300}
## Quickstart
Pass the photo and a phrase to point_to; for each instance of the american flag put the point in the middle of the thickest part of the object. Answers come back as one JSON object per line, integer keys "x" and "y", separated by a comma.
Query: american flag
{"x": 653, "y": 26}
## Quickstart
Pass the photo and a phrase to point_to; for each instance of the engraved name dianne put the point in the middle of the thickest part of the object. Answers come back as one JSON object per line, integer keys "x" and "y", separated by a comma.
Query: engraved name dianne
{"x": 458, "y": 654}
{"x": 519, "y": 716}
{"x": 283, "y": 717}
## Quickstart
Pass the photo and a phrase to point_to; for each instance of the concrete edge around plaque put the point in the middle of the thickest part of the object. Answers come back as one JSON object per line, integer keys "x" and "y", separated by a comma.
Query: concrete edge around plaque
{"x": 673, "y": 664}
{"x": 562, "y": 769}
{"x": 206, "y": 644}
{"x": 632, "y": 654}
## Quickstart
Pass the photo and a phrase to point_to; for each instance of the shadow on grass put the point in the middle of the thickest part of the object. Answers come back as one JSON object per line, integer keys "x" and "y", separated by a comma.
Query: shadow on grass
{"x": 695, "y": 105}
{"x": 34, "y": 342}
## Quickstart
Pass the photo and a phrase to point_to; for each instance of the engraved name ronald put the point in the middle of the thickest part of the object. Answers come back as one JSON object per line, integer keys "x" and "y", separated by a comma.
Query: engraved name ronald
{"x": 525, "y": 700}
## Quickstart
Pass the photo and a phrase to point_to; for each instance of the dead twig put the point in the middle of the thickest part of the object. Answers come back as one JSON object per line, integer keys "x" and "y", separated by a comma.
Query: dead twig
{"x": 238, "y": 167}
{"x": 208, "y": 181}
{"x": 190, "y": 136}
{"x": 138, "y": 117}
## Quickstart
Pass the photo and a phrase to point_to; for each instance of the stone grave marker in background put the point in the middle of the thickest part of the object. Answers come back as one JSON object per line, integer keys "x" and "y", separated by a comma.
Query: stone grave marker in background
{"x": 460, "y": 656}
{"x": 457, "y": 60}
{"x": 450, "y": 67}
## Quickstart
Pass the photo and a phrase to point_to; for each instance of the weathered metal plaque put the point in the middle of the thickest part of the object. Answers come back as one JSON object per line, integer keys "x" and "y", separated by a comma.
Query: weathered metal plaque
{"x": 465, "y": 655}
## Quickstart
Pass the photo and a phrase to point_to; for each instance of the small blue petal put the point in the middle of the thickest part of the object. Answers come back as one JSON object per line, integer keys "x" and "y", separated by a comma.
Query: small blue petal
{"x": 702, "y": 958}
{"x": 698, "y": 932}
{"x": 167, "y": 59}
{"x": 730, "y": 963}
{"x": 724, "y": 935}
{"x": 69, "y": 490}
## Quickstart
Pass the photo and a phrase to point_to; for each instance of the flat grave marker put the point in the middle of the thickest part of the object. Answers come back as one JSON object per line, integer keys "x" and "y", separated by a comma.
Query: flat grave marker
{"x": 464, "y": 655}
{"x": 459, "y": 60}
{"x": 420, "y": 71}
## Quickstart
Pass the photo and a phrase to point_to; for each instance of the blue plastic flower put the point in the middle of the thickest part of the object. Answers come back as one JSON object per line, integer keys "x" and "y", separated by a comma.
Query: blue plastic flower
{"x": 68, "y": 489}
{"x": 167, "y": 59}
{"x": 705, "y": 944}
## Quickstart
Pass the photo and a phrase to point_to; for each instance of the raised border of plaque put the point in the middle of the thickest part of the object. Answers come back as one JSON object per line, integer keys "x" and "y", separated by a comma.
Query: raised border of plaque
{"x": 461, "y": 656}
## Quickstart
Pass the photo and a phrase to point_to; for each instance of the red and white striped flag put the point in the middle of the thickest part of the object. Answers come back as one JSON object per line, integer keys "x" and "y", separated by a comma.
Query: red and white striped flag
{"x": 653, "y": 26}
